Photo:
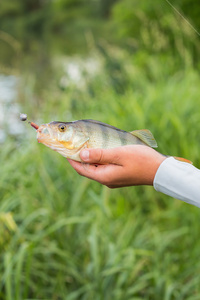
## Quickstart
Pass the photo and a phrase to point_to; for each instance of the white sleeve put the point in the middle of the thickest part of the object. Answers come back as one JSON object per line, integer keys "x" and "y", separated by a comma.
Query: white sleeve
{"x": 179, "y": 180}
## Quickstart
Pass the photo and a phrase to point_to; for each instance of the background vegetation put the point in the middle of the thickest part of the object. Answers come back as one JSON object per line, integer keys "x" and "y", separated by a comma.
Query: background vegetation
{"x": 132, "y": 64}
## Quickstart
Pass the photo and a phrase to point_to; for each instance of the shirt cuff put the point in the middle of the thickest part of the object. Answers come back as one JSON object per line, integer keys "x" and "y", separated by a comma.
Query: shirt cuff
{"x": 179, "y": 180}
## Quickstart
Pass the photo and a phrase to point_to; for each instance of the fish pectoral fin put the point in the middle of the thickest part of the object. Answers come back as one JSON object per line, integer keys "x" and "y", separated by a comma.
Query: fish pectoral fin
{"x": 76, "y": 145}
{"x": 69, "y": 145}
{"x": 82, "y": 142}
{"x": 145, "y": 136}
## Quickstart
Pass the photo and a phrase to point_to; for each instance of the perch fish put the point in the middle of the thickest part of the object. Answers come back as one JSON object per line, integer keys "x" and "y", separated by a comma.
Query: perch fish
{"x": 69, "y": 138}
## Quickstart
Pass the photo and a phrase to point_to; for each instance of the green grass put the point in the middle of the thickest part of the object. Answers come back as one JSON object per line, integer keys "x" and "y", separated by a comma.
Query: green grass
{"x": 65, "y": 237}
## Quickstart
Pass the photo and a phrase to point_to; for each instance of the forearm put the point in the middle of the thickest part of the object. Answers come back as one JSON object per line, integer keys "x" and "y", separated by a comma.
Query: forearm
{"x": 179, "y": 180}
{"x": 141, "y": 165}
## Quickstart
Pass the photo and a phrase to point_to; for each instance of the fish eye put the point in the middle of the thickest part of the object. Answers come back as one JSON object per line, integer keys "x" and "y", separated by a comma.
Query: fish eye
{"x": 62, "y": 127}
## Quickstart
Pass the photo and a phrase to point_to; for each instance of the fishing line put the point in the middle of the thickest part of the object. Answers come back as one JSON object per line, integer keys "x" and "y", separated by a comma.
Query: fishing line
{"x": 23, "y": 117}
{"x": 183, "y": 17}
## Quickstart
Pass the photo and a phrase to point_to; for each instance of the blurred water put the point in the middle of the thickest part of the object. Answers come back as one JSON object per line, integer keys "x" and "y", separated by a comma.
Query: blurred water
{"x": 9, "y": 109}
{"x": 76, "y": 71}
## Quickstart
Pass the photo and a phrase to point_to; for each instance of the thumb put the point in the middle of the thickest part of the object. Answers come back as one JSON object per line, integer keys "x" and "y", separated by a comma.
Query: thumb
{"x": 100, "y": 156}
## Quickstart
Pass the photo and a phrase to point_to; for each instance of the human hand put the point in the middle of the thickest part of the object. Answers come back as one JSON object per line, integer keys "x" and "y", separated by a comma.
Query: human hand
{"x": 120, "y": 167}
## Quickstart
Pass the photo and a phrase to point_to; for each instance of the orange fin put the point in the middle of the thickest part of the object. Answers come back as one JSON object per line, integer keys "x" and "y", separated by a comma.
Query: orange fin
{"x": 183, "y": 159}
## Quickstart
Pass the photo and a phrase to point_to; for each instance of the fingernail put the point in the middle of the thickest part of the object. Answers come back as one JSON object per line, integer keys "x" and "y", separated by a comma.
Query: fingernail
{"x": 85, "y": 155}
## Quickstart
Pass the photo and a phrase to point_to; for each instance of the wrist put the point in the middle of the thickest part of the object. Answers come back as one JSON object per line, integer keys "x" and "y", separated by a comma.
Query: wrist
{"x": 155, "y": 166}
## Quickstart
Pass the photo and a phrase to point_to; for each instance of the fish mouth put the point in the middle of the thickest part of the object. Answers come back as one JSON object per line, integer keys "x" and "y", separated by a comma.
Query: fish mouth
{"x": 45, "y": 130}
{"x": 45, "y": 135}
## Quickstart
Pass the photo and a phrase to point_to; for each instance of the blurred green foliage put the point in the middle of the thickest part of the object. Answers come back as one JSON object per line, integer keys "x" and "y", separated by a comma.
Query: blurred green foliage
{"x": 157, "y": 28}
{"x": 153, "y": 25}
{"x": 63, "y": 236}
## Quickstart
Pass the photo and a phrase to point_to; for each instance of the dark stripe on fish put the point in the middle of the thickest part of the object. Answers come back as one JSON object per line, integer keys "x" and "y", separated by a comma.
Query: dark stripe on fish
{"x": 85, "y": 126}
{"x": 105, "y": 136}
{"x": 122, "y": 137}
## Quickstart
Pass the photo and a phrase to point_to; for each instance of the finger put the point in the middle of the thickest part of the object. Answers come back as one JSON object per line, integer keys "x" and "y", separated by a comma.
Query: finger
{"x": 101, "y": 156}
{"x": 87, "y": 170}
{"x": 100, "y": 173}
{"x": 73, "y": 163}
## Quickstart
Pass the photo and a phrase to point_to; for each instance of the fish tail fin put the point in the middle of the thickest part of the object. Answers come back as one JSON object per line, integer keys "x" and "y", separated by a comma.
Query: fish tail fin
{"x": 145, "y": 136}
{"x": 183, "y": 159}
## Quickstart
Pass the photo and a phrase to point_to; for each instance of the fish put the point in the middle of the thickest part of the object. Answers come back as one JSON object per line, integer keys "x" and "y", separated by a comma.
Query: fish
{"x": 69, "y": 138}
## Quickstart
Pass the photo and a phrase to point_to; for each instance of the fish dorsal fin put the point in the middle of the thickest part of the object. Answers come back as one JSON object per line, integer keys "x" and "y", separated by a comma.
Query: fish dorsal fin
{"x": 145, "y": 136}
